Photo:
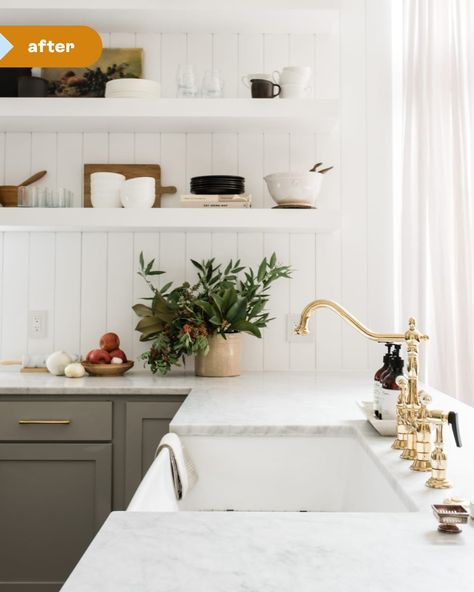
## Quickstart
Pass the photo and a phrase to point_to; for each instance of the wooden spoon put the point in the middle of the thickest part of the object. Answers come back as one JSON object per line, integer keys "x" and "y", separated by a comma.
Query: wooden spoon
{"x": 324, "y": 171}
{"x": 33, "y": 178}
{"x": 316, "y": 167}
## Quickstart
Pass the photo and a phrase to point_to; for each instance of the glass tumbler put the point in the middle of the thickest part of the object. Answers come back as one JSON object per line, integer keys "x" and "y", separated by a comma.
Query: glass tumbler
{"x": 186, "y": 82}
{"x": 212, "y": 85}
{"x": 31, "y": 197}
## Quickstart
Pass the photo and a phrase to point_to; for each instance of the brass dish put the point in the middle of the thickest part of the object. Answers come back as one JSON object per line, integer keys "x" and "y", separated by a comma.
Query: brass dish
{"x": 449, "y": 516}
{"x": 107, "y": 369}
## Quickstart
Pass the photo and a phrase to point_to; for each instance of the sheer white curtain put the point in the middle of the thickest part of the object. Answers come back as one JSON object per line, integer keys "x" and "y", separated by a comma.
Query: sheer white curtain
{"x": 435, "y": 180}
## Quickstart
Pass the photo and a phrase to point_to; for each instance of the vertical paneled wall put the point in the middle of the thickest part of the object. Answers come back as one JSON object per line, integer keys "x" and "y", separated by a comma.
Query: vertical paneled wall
{"x": 87, "y": 282}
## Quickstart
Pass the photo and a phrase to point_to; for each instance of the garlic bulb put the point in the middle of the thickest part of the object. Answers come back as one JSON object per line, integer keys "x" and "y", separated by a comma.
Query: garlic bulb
{"x": 116, "y": 361}
{"x": 57, "y": 362}
{"x": 74, "y": 370}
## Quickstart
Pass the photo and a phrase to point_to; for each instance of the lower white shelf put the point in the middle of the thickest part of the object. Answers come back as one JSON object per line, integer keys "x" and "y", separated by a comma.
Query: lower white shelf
{"x": 167, "y": 219}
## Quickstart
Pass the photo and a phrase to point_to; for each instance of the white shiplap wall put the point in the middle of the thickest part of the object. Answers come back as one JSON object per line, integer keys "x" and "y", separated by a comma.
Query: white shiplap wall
{"x": 87, "y": 282}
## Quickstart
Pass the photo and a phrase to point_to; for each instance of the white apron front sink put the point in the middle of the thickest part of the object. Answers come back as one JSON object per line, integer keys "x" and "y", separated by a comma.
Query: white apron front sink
{"x": 314, "y": 473}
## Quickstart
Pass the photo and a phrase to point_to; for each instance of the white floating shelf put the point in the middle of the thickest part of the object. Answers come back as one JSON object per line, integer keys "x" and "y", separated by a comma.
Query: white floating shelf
{"x": 167, "y": 115}
{"x": 167, "y": 219}
{"x": 317, "y": 16}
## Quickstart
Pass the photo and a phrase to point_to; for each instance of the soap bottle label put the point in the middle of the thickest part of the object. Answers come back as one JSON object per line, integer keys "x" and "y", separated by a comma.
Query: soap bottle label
{"x": 377, "y": 389}
{"x": 389, "y": 400}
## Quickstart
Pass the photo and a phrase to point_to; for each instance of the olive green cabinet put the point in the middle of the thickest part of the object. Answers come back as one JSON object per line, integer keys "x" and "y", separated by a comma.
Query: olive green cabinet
{"x": 53, "y": 499}
{"x": 64, "y": 465}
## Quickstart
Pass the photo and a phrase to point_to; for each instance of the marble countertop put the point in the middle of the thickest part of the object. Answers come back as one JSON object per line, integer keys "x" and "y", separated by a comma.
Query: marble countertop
{"x": 268, "y": 551}
{"x": 134, "y": 382}
{"x": 274, "y": 552}
{"x": 265, "y": 403}
{"x": 320, "y": 403}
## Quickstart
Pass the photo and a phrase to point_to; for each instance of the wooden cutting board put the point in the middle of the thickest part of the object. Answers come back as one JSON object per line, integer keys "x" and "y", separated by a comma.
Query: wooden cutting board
{"x": 130, "y": 171}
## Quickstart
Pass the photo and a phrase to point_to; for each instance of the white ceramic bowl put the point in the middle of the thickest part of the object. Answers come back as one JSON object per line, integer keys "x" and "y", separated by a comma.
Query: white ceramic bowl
{"x": 107, "y": 177}
{"x": 138, "y": 193}
{"x": 106, "y": 185}
{"x": 142, "y": 200}
{"x": 140, "y": 182}
{"x": 103, "y": 199}
{"x": 294, "y": 188}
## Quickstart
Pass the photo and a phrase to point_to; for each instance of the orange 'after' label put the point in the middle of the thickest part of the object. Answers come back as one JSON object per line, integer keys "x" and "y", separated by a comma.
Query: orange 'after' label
{"x": 48, "y": 46}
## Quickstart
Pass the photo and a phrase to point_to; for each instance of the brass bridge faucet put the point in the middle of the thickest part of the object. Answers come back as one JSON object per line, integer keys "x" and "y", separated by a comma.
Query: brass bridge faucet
{"x": 413, "y": 418}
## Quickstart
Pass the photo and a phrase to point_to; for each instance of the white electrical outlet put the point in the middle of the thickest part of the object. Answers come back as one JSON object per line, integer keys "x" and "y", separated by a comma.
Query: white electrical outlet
{"x": 292, "y": 321}
{"x": 38, "y": 324}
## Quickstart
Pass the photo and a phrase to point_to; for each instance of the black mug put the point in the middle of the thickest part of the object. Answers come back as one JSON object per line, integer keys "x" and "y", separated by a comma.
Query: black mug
{"x": 32, "y": 87}
{"x": 264, "y": 89}
{"x": 9, "y": 80}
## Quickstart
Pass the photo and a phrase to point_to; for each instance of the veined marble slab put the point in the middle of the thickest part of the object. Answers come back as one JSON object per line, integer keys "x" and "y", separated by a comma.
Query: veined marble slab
{"x": 274, "y": 552}
{"x": 282, "y": 552}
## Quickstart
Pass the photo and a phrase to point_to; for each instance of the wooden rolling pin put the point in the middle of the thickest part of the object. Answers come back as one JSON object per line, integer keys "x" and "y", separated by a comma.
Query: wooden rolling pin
{"x": 30, "y": 363}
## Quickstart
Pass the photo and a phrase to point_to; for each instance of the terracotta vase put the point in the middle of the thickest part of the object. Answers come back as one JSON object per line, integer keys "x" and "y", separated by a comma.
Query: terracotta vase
{"x": 223, "y": 358}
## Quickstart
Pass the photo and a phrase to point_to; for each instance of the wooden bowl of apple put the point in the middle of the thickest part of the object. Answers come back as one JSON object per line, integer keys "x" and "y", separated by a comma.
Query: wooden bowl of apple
{"x": 109, "y": 359}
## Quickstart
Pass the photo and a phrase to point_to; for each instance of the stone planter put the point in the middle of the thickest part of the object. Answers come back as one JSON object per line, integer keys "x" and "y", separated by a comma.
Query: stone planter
{"x": 223, "y": 358}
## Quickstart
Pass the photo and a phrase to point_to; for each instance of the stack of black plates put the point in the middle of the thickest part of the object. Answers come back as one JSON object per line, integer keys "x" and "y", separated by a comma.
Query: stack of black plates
{"x": 218, "y": 185}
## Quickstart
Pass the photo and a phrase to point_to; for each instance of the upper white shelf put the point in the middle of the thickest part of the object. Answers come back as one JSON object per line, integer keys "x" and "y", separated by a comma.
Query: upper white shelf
{"x": 167, "y": 219}
{"x": 166, "y": 115}
{"x": 315, "y": 16}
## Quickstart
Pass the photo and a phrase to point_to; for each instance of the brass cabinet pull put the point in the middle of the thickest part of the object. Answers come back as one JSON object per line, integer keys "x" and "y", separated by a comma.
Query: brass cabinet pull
{"x": 44, "y": 421}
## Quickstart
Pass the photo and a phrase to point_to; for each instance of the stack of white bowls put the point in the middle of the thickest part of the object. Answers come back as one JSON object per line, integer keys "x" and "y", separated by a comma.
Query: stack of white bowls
{"x": 138, "y": 192}
{"x": 105, "y": 190}
{"x": 132, "y": 88}
{"x": 294, "y": 82}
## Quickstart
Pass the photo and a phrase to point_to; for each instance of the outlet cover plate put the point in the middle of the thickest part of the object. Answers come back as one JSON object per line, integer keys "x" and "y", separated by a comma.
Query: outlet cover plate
{"x": 38, "y": 324}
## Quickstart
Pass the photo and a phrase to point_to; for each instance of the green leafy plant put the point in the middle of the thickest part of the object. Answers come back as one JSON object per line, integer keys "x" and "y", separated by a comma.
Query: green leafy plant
{"x": 179, "y": 320}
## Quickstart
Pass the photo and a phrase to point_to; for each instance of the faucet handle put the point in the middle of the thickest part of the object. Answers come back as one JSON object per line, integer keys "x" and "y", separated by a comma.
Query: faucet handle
{"x": 425, "y": 398}
{"x": 453, "y": 420}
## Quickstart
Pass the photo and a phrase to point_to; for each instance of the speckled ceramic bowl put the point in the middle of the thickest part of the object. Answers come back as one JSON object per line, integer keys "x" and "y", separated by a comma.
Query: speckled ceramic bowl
{"x": 299, "y": 188}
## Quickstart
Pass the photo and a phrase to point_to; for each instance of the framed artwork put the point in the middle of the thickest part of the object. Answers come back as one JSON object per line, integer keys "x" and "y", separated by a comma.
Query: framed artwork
{"x": 90, "y": 82}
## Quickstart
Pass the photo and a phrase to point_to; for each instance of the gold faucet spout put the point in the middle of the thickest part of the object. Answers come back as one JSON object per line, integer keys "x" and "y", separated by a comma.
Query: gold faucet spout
{"x": 302, "y": 328}
{"x": 411, "y": 338}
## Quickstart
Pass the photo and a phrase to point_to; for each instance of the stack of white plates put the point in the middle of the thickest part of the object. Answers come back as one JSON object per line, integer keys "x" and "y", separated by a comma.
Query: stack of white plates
{"x": 132, "y": 88}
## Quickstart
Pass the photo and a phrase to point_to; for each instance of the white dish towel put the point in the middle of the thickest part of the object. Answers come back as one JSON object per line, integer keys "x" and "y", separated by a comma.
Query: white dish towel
{"x": 156, "y": 490}
{"x": 182, "y": 469}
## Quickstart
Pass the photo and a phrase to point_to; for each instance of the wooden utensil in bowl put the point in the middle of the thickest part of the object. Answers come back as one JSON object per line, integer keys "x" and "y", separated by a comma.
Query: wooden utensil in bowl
{"x": 9, "y": 193}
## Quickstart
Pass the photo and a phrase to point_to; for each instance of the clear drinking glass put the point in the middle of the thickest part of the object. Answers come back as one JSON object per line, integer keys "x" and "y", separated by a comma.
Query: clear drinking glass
{"x": 212, "y": 85}
{"x": 63, "y": 198}
{"x": 30, "y": 197}
{"x": 44, "y": 197}
{"x": 186, "y": 82}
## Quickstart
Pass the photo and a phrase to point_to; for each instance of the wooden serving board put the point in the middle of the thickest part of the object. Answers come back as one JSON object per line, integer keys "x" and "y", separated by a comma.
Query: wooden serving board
{"x": 130, "y": 171}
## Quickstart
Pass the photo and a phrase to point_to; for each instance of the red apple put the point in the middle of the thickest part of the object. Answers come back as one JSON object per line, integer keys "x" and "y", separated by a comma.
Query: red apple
{"x": 99, "y": 356}
{"x": 118, "y": 353}
{"x": 110, "y": 341}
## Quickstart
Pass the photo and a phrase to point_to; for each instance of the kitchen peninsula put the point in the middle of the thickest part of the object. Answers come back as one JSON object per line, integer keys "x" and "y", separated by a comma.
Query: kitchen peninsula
{"x": 279, "y": 550}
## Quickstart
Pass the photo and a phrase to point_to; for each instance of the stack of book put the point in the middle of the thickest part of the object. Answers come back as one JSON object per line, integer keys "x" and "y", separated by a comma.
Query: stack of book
{"x": 193, "y": 200}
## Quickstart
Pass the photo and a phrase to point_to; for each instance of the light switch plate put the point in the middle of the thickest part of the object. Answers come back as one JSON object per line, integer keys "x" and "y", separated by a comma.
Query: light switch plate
{"x": 292, "y": 321}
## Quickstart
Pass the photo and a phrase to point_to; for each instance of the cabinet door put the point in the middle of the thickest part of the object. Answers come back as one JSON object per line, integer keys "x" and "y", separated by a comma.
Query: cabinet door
{"x": 146, "y": 424}
{"x": 53, "y": 500}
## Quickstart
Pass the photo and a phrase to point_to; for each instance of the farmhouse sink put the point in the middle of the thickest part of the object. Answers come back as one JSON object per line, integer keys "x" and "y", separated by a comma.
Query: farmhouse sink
{"x": 332, "y": 472}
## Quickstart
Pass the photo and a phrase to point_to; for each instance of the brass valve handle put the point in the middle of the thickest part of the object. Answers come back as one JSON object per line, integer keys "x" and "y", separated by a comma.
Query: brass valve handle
{"x": 450, "y": 417}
